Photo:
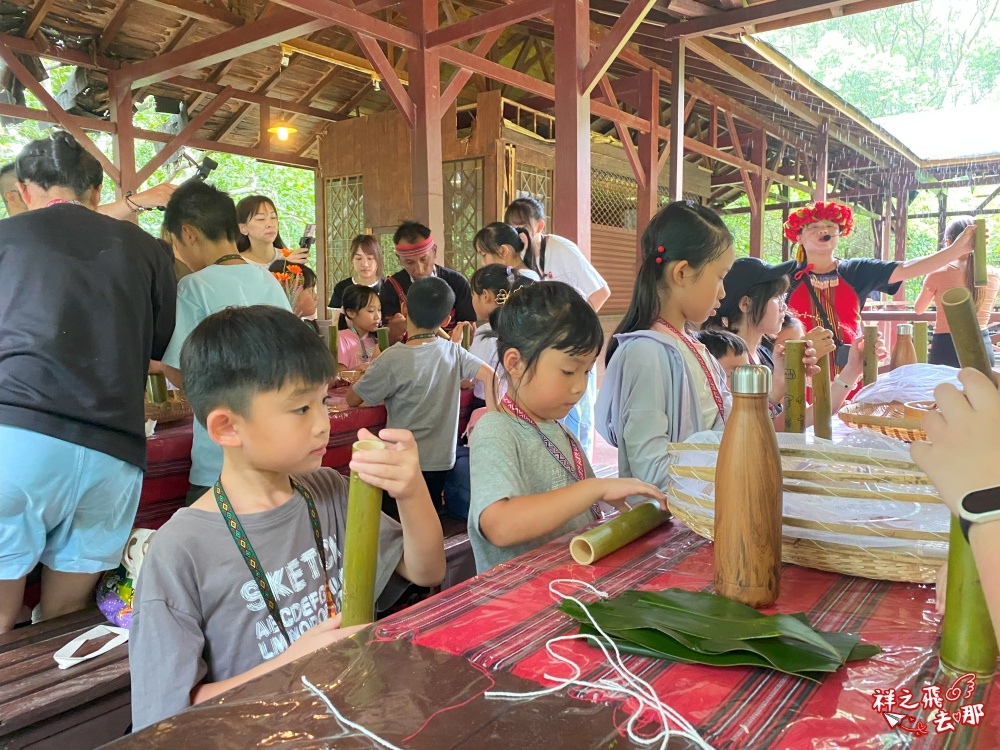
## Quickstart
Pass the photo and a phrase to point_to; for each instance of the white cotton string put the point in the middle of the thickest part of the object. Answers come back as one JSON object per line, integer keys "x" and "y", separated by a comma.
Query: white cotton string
{"x": 344, "y": 720}
{"x": 634, "y": 687}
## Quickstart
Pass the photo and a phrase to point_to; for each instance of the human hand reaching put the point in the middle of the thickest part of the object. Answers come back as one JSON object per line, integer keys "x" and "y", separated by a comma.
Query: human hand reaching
{"x": 395, "y": 469}
{"x": 320, "y": 635}
{"x": 456, "y": 333}
{"x": 615, "y": 492}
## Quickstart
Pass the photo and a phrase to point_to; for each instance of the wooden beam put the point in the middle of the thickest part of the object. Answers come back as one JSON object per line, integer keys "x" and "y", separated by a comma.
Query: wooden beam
{"x": 393, "y": 86}
{"x": 462, "y": 75}
{"x": 271, "y": 157}
{"x": 245, "y": 96}
{"x": 185, "y": 135}
{"x": 237, "y": 117}
{"x": 334, "y": 56}
{"x": 59, "y": 54}
{"x": 120, "y": 106}
{"x": 346, "y": 108}
{"x": 198, "y": 10}
{"x": 623, "y": 135}
{"x": 18, "y": 112}
{"x": 269, "y": 30}
{"x": 113, "y": 26}
{"x": 605, "y": 54}
{"x": 35, "y": 87}
{"x": 826, "y": 15}
{"x": 498, "y": 72}
{"x": 759, "y": 186}
{"x": 822, "y": 160}
{"x": 492, "y": 20}
{"x": 354, "y": 20}
{"x": 676, "y": 176}
{"x": 690, "y": 8}
{"x": 36, "y": 17}
{"x": 750, "y": 15}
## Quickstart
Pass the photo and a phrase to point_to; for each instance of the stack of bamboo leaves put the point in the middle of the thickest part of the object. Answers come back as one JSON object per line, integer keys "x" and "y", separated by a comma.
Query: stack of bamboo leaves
{"x": 702, "y": 628}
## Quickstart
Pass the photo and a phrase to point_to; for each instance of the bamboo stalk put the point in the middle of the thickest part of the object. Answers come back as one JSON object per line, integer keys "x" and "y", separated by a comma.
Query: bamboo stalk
{"x": 822, "y": 407}
{"x": 364, "y": 518}
{"x": 334, "y": 343}
{"x": 383, "y": 339}
{"x": 795, "y": 386}
{"x": 707, "y": 473}
{"x": 968, "y": 641}
{"x": 870, "y": 372}
{"x": 979, "y": 254}
{"x": 920, "y": 340}
{"x": 600, "y": 541}
{"x": 466, "y": 337}
{"x": 885, "y": 463}
{"x": 442, "y": 334}
{"x": 156, "y": 388}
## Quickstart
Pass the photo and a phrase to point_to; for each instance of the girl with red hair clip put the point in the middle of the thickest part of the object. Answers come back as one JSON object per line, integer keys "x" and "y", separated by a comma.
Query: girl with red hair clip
{"x": 830, "y": 292}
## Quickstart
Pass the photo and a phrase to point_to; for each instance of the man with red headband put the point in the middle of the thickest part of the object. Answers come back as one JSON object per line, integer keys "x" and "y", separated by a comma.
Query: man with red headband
{"x": 417, "y": 253}
{"x": 830, "y": 292}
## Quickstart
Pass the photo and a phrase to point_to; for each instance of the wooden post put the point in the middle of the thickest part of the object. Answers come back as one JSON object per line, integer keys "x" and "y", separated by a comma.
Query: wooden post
{"x": 322, "y": 260}
{"x": 886, "y": 226}
{"x": 822, "y": 160}
{"x": 902, "y": 209}
{"x": 677, "y": 47}
{"x": 758, "y": 185}
{"x": 649, "y": 155}
{"x": 424, "y": 68}
{"x": 123, "y": 138}
{"x": 785, "y": 211}
{"x": 942, "y": 201}
{"x": 572, "y": 110}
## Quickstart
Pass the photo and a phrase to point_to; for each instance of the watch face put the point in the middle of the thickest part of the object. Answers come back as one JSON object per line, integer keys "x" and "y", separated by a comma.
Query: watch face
{"x": 982, "y": 501}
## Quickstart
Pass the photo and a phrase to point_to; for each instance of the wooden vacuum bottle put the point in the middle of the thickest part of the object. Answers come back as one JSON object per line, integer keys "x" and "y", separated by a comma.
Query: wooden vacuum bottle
{"x": 748, "y": 495}
{"x": 904, "y": 352}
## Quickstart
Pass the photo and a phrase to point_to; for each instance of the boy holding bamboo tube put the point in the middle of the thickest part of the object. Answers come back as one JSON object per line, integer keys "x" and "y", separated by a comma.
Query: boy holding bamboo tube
{"x": 250, "y": 577}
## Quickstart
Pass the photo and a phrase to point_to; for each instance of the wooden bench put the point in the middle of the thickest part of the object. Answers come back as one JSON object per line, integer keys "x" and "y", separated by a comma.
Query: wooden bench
{"x": 43, "y": 707}
{"x": 457, "y": 552}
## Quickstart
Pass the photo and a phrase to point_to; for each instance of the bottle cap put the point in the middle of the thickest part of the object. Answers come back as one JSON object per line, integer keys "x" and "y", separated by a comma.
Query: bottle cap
{"x": 751, "y": 379}
{"x": 904, "y": 329}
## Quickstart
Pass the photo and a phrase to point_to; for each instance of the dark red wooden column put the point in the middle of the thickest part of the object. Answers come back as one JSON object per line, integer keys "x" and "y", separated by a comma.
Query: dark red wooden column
{"x": 677, "y": 120}
{"x": 649, "y": 154}
{"x": 425, "y": 90}
{"x": 759, "y": 186}
{"x": 822, "y": 160}
{"x": 123, "y": 137}
{"x": 572, "y": 110}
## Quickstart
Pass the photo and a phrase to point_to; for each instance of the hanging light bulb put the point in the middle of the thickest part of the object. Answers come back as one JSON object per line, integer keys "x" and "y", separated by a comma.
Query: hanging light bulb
{"x": 282, "y": 130}
{"x": 376, "y": 83}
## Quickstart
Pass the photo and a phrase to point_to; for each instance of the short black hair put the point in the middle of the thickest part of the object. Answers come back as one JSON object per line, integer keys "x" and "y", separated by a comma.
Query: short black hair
{"x": 497, "y": 278}
{"x": 59, "y": 160}
{"x": 354, "y": 298}
{"x": 523, "y": 211}
{"x": 308, "y": 275}
{"x": 241, "y": 351}
{"x": 410, "y": 232}
{"x": 206, "y": 208}
{"x": 546, "y": 315}
{"x": 429, "y": 301}
{"x": 720, "y": 342}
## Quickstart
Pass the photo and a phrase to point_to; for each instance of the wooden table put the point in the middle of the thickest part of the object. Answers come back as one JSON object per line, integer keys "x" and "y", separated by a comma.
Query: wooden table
{"x": 498, "y": 624}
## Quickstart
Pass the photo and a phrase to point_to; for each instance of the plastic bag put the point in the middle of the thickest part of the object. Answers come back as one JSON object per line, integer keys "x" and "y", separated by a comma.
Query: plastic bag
{"x": 908, "y": 383}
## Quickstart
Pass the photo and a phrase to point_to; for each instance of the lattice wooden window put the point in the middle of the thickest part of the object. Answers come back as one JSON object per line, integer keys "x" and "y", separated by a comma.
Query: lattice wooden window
{"x": 612, "y": 199}
{"x": 535, "y": 182}
{"x": 345, "y": 219}
{"x": 463, "y": 213}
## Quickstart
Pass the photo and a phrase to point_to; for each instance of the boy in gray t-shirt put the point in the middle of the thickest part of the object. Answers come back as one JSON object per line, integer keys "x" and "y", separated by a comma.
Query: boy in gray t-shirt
{"x": 420, "y": 381}
{"x": 203, "y": 621}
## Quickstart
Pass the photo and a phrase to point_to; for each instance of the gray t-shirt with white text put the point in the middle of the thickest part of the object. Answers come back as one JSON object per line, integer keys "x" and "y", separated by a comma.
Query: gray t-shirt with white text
{"x": 508, "y": 459}
{"x": 198, "y": 615}
{"x": 421, "y": 387}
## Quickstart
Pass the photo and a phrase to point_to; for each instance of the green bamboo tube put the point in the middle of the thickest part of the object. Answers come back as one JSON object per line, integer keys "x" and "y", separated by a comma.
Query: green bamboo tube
{"x": 364, "y": 517}
{"x": 156, "y": 388}
{"x": 600, "y": 541}
{"x": 795, "y": 386}
{"x": 383, "y": 339}
{"x": 870, "y": 364}
{"x": 334, "y": 342}
{"x": 968, "y": 641}
{"x": 822, "y": 407}
{"x": 920, "y": 339}
{"x": 466, "y": 337}
{"x": 979, "y": 254}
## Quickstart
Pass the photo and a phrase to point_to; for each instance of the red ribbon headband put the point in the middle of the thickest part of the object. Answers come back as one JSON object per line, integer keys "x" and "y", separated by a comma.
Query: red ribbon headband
{"x": 418, "y": 248}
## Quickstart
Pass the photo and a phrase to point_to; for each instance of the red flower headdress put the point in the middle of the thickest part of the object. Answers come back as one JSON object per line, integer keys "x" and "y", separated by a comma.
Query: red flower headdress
{"x": 838, "y": 213}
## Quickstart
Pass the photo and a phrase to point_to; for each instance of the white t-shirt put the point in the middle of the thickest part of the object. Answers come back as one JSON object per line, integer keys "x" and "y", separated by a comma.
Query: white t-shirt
{"x": 564, "y": 262}
{"x": 265, "y": 266}
{"x": 486, "y": 349}
{"x": 199, "y": 295}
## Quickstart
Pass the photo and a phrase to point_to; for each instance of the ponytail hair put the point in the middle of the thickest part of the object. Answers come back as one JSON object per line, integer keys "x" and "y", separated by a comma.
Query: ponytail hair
{"x": 59, "y": 161}
{"x": 493, "y": 236}
{"x": 502, "y": 280}
{"x": 682, "y": 230}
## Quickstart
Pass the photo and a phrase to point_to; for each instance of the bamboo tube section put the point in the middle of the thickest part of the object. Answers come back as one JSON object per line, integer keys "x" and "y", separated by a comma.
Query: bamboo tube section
{"x": 156, "y": 388}
{"x": 920, "y": 340}
{"x": 979, "y": 254}
{"x": 383, "y": 339}
{"x": 466, "y": 337}
{"x": 968, "y": 641}
{"x": 364, "y": 518}
{"x": 795, "y": 386}
{"x": 870, "y": 364}
{"x": 822, "y": 405}
{"x": 334, "y": 342}
{"x": 600, "y": 541}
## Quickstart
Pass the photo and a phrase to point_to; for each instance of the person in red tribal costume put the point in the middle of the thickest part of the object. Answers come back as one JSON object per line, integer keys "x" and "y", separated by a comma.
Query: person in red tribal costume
{"x": 830, "y": 292}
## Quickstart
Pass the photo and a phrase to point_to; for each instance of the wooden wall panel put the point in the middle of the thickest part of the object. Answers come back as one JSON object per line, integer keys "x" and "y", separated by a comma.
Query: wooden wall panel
{"x": 612, "y": 251}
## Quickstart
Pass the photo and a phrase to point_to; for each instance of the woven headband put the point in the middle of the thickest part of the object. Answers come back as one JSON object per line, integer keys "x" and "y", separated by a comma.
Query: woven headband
{"x": 417, "y": 248}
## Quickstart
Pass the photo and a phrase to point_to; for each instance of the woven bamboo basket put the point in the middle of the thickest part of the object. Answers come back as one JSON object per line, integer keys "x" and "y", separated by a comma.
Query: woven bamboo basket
{"x": 888, "y": 419}
{"x": 173, "y": 409}
{"x": 863, "y": 513}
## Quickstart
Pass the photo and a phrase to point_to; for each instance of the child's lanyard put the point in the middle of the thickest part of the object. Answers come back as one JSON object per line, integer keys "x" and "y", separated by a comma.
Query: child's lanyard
{"x": 577, "y": 470}
{"x": 250, "y": 557}
{"x": 361, "y": 340}
{"x": 712, "y": 385}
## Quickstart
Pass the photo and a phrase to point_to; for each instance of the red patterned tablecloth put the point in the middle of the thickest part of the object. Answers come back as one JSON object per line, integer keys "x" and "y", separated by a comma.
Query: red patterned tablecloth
{"x": 502, "y": 620}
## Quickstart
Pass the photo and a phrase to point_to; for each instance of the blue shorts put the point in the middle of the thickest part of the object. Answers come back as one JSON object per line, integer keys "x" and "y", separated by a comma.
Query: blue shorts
{"x": 69, "y": 507}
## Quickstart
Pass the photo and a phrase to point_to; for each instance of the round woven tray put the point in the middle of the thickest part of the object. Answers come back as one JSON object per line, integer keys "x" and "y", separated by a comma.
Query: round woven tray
{"x": 172, "y": 410}
{"x": 887, "y": 419}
